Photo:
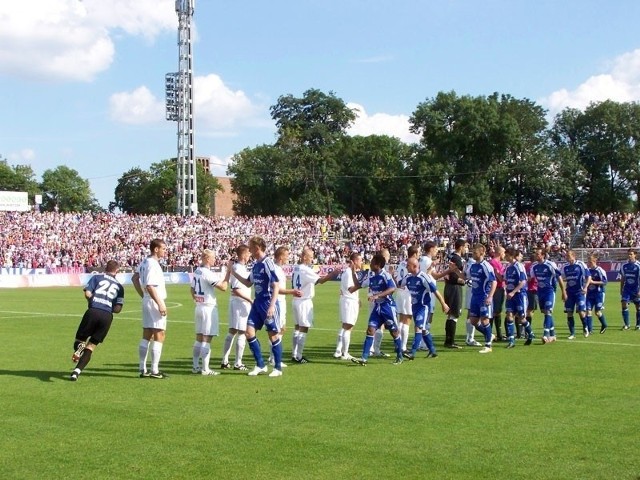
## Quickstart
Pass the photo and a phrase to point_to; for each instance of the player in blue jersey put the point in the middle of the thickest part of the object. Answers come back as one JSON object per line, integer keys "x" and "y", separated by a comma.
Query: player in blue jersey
{"x": 546, "y": 274}
{"x": 105, "y": 296}
{"x": 420, "y": 287}
{"x": 264, "y": 310}
{"x": 595, "y": 294}
{"x": 574, "y": 283}
{"x": 630, "y": 288}
{"x": 381, "y": 287}
{"x": 483, "y": 286}
{"x": 515, "y": 279}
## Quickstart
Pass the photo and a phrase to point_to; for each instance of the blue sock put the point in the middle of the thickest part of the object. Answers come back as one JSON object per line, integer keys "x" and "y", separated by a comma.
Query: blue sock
{"x": 637, "y": 318}
{"x": 625, "y": 316}
{"x": 588, "y": 320}
{"x": 603, "y": 321}
{"x": 368, "y": 343}
{"x": 527, "y": 329}
{"x": 510, "y": 327}
{"x": 416, "y": 343}
{"x": 254, "y": 345}
{"x": 276, "y": 350}
{"x": 398, "y": 344}
{"x": 572, "y": 325}
{"x": 428, "y": 340}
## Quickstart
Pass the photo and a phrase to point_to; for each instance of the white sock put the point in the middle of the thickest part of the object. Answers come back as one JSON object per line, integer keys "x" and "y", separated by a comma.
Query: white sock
{"x": 302, "y": 337}
{"x": 196, "y": 354}
{"x": 241, "y": 342}
{"x": 471, "y": 331}
{"x": 377, "y": 341}
{"x": 228, "y": 342}
{"x": 143, "y": 350}
{"x": 294, "y": 344}
{"x": 339, "y": 342}
{"x": 404, "y": 335}
{"x": 346, "y": 341}
{"x": 156, "y": 353}
{"x": 205, "y": 354}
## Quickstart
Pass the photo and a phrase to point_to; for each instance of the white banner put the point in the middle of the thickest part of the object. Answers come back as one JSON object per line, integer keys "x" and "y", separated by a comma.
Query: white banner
{"x": 14, "y": 201}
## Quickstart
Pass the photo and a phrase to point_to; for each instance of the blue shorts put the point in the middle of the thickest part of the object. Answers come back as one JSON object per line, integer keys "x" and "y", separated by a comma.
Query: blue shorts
{"x": 577, "y": 301}
{"x": 595, "y": 301}
{"x": 478, "y": 308}
{"x": 629, "y": 296}
{"x": 546, "y": 299}
{"x": 383, "y": 314}
{"x": 421, "y": 316}
{"x": 518, "y": 304}
{"x": 258, "y": 316}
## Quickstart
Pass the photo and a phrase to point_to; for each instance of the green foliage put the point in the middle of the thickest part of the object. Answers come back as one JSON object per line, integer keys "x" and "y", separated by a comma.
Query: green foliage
{"x": 63, "y": 189}
{"x": 154, "y": 191}
{"x": 18, "y": 178}
{"x": 555, "y": 411}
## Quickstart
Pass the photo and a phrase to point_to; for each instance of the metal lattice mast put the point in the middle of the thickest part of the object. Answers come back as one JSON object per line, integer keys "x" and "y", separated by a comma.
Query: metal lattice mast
{"x": 179, "y": 104}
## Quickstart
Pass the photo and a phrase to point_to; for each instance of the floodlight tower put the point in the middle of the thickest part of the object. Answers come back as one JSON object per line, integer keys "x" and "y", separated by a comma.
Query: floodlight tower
{"x": 179, "y": 108}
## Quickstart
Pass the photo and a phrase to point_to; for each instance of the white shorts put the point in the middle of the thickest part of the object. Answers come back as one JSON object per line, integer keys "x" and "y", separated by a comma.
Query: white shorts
{"x": 238, "y": 313}
{"x": 349, "y": 309}
{"x": 467, "y": 297}
{"x": 303, "y": 312}
{"x": 403, "y": 301}
{"x": 151, "y": 317}
{"x": 282, "y": 309}
{"x": 206, "y": 317}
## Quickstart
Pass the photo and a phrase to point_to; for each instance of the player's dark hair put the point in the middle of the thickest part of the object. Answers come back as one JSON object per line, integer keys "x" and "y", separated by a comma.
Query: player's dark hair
{"x": 412, "y": 251}
{"x": 240, "y": 249}
{"x": 461, "y": 242}
{"x": 155, "y": 243}
{"x": 428, "y": 245}
{"x": 379, "y": 260}
{"x": 353, "y": 256}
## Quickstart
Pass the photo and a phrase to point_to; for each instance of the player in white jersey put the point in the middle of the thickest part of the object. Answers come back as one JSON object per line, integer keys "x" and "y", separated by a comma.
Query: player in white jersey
{"x": 281, "y": 258}
{"x": 403, "y": 297}
{"x": 349, "y": 307}
{"x": 149, "y": 282}
{"x": 203, "y": 285}
{"x": 239, "y": 307}
{"x": 304, "y": 278}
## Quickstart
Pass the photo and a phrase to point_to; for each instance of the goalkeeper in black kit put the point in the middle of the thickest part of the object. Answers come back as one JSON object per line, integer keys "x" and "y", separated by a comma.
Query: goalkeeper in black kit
{"x": 105, "y": 296}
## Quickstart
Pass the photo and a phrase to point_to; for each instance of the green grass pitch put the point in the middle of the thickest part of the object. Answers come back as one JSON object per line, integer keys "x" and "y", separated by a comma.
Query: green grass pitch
{"x": 560, "y": 411}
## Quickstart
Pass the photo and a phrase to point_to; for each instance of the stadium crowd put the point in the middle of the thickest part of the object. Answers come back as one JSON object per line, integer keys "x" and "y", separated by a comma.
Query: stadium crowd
{"x": 612, "y": 230}
{"x": 85, "y": 240}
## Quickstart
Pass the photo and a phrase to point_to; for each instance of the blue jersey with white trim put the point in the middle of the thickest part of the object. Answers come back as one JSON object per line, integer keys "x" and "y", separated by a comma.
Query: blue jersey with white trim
{"x": 546, "y": 273}
{"x": 630, "y": 276}
{"x": 513, "y": 276}
{"x": 575, "y": 275}
{"x": 420, "y": 287}
{"x": 482, "y": 277}
{"x": 263, "y": 276}
{"x": 597, "y": 275}
{"x": 378, "y": 283}
{"x": 106, "y": 292}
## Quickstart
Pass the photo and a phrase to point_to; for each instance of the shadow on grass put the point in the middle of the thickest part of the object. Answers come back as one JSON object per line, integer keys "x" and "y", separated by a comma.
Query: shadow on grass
{"x": 50, "y": 376}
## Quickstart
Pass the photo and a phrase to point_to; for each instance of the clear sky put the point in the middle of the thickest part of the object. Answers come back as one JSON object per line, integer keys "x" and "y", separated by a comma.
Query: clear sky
{"x": 82, "y": 81}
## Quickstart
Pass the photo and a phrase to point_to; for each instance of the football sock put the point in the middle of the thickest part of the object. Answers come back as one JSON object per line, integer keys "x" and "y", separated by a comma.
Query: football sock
{"x": 377, "y": 341}
{"x": 603, "y": 321}
{"x": 471, "y": 330}
{"x": 428, "y": 341}
{"x": 397, "y": 342}
{"x": 205, "y": 353}
{"x": 510, "y": 327}
{"x": 366, "y": 349}
{"x": 294, "y": 344}
{"x": 254, "y": 346}
{"x": 416, "y": 343}
{"x": 143, "y": 350}
{"x": 241, "y": 343}
{"x": 84, "y": 359}
{"x": 228, "y": 342}
{"x": 637, "y": 318}
{"x": 302, "y": 338}
{"x": 404, "y": 335}
{"x": 156, "y": 353}
{"x": 625, "y": 316}
{"x": 588, "y": 321}
{"x": 276, "y": 351}
{"x": 572, "y": 325}
{"x": 339, "y": 342}
{"x": 346, "y": 342}
{"x": 196, "y": 354}
{"x": 527, "y": 328}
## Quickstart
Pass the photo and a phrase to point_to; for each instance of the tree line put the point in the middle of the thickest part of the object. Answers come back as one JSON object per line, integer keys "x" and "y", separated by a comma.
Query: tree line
{"x": 495, "y": 153}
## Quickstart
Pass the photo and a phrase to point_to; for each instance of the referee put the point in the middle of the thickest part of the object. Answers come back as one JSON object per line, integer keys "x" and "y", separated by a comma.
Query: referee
{"x": 453, "y": 292}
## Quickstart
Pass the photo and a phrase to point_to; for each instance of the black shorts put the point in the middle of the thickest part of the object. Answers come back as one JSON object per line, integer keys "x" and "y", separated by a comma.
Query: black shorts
{"x": 532, "y": 298}
{"x": 453, "y": 298}
{"x": 498, "y": 301}
{"x": 95, "y": 323}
